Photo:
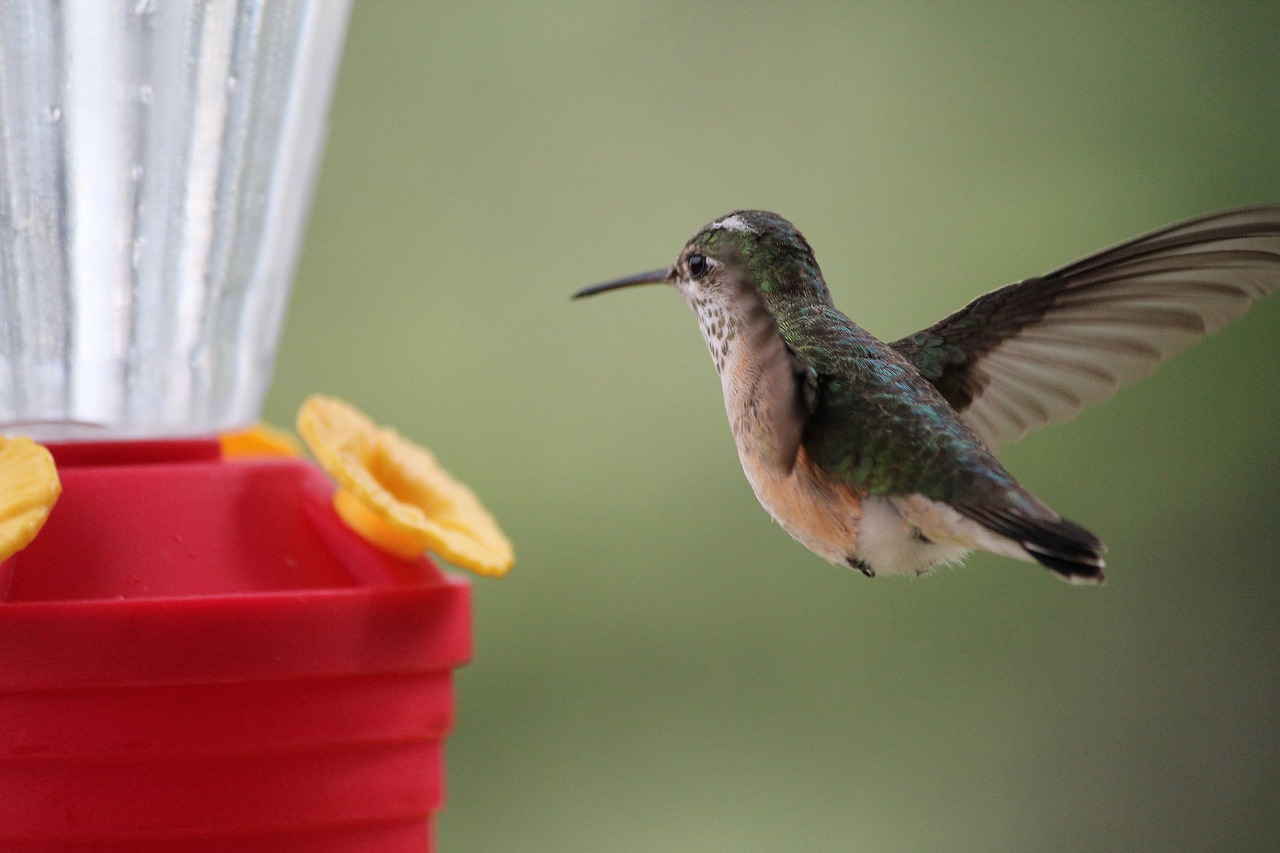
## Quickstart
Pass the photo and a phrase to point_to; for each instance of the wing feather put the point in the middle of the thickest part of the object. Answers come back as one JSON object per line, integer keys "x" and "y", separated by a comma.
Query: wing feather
{"x": 1039, "y": 351}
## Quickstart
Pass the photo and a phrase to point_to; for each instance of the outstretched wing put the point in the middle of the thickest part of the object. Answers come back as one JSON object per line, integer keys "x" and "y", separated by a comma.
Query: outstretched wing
{"x": 1040, "y": 350}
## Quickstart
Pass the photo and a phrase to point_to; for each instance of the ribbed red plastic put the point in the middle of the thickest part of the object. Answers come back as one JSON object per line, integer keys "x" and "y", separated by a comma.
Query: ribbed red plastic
{"x": 198, "y": 655}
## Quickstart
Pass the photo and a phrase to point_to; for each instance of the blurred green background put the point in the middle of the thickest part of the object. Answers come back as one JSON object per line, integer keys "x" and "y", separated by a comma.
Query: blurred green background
{"x": 665, "y": 670}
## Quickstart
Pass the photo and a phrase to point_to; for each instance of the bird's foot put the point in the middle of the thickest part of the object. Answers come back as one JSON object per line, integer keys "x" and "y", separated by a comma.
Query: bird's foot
{"x": 862, "y": 566}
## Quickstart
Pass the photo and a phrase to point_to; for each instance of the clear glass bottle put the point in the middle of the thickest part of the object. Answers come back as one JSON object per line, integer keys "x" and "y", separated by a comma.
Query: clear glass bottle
{"x": 156, "y": 167}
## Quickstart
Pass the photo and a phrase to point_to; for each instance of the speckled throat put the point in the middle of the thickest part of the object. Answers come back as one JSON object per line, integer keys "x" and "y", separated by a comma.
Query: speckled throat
{"x": 757, "y": 376}
{"x": 719, "y": 327}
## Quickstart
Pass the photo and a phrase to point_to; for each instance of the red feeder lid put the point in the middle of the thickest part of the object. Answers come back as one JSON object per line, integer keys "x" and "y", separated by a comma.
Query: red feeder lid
{"x": 198, "y": 648}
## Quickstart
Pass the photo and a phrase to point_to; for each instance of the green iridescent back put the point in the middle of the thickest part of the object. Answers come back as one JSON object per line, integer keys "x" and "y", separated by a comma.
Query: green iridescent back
{"x": 876, "y": 423}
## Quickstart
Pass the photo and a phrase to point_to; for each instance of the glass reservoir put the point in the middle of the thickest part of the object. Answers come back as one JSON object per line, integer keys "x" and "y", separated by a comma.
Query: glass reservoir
{"x": 156, "y": 165}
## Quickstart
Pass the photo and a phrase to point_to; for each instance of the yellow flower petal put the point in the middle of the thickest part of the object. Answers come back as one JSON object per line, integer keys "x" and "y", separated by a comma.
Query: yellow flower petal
{"x": 29, "y": 487}
{"x": 403, "y": 487}
{"x": 257, "y": 441}
{"x": 373, "y": 527}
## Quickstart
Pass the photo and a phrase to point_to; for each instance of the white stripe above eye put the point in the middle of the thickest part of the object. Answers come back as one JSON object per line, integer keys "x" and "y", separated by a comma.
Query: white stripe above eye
{"x": 734, "y": 222}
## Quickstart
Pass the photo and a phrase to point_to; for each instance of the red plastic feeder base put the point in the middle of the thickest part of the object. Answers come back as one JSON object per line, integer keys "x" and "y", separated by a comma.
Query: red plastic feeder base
{"x": 198, "y": 655}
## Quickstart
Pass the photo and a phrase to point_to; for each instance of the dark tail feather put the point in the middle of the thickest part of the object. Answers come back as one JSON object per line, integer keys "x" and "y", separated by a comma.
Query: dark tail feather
{"x": 1082, "y": 567}
{"x": 1054, "y": 542}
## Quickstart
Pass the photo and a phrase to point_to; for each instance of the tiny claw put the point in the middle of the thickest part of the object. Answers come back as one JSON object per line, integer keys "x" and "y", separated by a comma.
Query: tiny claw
{"x": 862, "y": 566}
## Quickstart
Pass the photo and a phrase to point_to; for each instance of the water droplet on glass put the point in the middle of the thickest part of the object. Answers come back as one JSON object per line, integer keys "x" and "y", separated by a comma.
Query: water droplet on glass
{"x": 135, "y": 171}
{"x": 145, "y": 93}
{"x": 144, "y": 7}
{"x": 53, "y": 115}
{"x": 232, "y": 82}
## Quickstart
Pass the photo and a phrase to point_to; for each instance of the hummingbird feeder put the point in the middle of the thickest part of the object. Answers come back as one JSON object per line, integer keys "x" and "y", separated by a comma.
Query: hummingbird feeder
{"x": 199, "y": 651}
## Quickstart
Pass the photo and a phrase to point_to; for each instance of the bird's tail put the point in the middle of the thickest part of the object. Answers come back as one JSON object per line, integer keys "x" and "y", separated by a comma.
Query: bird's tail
{"x": 1068, "y": 549}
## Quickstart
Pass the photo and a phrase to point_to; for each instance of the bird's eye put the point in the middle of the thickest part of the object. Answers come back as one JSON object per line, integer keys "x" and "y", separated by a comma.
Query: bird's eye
{"x": 698, "y": 266}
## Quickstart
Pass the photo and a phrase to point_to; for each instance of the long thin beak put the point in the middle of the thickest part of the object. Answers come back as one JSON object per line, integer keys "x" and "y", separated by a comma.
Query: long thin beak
{"x": 663, "y": 276}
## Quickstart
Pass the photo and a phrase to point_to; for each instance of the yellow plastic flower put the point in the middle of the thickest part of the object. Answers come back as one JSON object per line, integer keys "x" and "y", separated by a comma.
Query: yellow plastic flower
{"x": 258, "y": 441}
{"x": 394, "y": 493}
{"x": 29, "y": 487}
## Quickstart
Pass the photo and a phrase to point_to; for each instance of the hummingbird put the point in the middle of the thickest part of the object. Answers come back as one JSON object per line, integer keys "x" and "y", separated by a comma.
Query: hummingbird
{"x": 880, "y": 456}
